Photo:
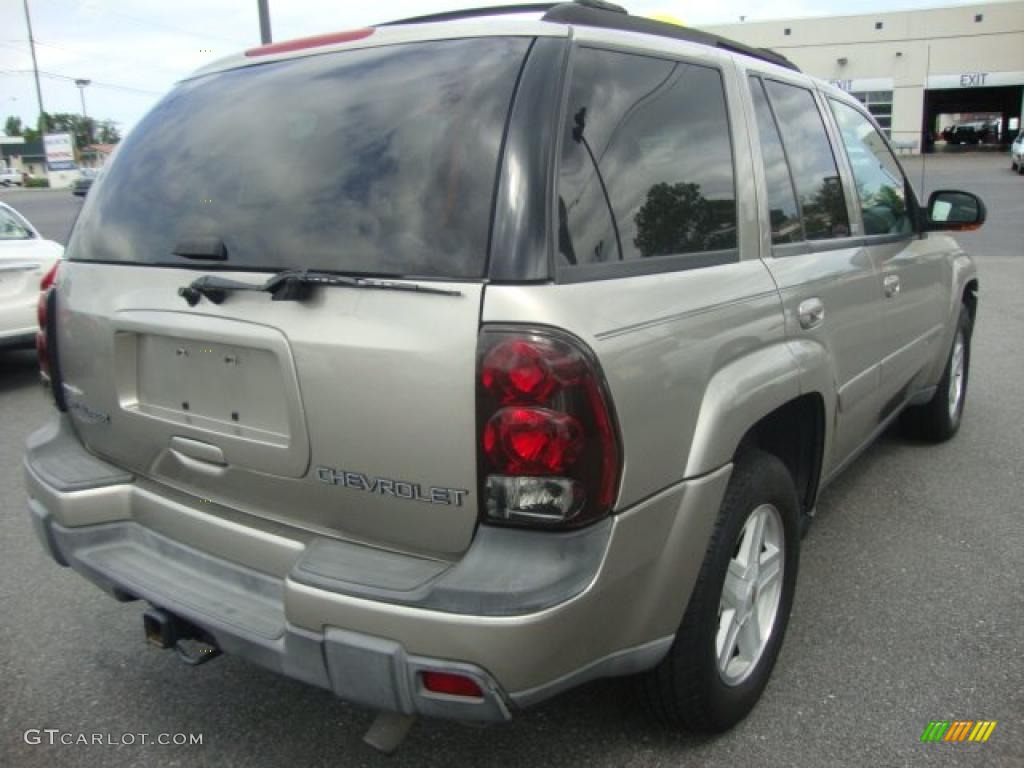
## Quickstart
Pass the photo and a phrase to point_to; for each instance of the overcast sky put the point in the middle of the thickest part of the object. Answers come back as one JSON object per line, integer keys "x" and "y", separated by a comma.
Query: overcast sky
{"x": 134, "y": 50}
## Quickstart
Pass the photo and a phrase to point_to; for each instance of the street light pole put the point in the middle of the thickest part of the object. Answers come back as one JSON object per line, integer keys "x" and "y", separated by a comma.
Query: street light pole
{"x": 264, "y": 10}
{"x": 35, "y": 69}
{"x": 82, "y": 83}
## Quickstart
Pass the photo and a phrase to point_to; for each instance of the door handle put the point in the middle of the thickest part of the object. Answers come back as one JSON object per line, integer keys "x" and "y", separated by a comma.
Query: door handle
{"x": 811, "y": 313}
{"x": 891, "y": 286}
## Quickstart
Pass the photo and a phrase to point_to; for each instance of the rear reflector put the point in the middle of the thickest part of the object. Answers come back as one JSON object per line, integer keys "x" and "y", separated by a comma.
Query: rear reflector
{"x": 301, "y": 43}
{"x": 451, "y": 684}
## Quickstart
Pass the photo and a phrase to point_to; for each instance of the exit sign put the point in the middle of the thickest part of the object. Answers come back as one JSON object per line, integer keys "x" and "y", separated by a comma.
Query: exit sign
{"x": 975, "y": 80}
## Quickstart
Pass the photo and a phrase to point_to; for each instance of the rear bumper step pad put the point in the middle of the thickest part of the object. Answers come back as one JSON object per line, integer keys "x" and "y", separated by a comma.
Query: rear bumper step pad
{"x": 244, "y": 611}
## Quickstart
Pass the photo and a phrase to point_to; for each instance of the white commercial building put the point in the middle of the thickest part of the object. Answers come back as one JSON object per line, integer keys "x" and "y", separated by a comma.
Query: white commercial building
{"x": 911, "y": 67}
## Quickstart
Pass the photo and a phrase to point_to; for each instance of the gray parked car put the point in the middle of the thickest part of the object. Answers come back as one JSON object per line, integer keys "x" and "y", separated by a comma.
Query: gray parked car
{"x": 451, "y": 364}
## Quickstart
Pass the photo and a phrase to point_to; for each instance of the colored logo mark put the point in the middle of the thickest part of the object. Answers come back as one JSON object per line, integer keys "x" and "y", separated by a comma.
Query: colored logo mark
{"x": 958, "y": 730}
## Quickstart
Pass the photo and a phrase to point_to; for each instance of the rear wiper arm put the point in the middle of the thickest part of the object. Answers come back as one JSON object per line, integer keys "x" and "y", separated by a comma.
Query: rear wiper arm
{"x": 296, "y": 285}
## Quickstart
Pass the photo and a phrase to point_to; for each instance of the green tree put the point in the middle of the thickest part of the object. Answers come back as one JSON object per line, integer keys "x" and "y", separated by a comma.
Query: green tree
{"x": 676, "y": 218}
{"x": 86, "y": 131}
{"x": 108, "y": 132}
{"x": 12, "y": 127}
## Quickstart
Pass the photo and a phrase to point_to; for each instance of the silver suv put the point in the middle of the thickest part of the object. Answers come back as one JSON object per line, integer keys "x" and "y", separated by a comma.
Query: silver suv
{"x": 451, "y": 364}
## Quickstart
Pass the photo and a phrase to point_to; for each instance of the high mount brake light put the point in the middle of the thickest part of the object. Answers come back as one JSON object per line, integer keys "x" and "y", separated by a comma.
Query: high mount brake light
{"x": 333, "y": 38}
{"x": 549, "y": 452}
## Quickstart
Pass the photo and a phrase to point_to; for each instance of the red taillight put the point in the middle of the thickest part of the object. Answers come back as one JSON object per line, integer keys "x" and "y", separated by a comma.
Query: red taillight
{"x": 451, "y": 684}
{"x": 532, "y": 441}
{"x": 332, "y": 38}
{"x": 516, "y": 372}
{"x": 549, "y": 453}
{"x": 43, "y": 350}
{"x": 49, "y": 278}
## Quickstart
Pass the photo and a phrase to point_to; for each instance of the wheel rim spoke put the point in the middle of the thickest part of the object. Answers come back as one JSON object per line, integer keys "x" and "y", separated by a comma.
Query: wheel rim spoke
{"x": 770, "y": 570}
{"x": 749, "y": 638}
{"x": 753, "y": 538}
{"x": 956, "y": 375}
{"x": 726, "y": 641}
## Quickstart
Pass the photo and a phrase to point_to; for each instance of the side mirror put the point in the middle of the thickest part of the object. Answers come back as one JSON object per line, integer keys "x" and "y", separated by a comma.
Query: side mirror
{"x": 953, "y": 210}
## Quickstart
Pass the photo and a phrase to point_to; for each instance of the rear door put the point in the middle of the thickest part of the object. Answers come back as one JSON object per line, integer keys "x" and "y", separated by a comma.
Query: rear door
{"x": 351, "y": 410}
{"x": 828, "y": 282}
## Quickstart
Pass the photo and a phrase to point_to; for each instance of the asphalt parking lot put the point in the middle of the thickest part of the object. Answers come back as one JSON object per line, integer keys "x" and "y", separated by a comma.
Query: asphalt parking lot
{"x": 909, "y": 605}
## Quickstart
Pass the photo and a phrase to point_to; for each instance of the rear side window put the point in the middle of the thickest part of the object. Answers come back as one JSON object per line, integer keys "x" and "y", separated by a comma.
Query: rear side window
{"x": 782, "y": 207}
{"x": 371, "y": 161}
{"x": 810, "y": 156}
{"x": 881, "y": 188}
{"x": 646, "y": 167}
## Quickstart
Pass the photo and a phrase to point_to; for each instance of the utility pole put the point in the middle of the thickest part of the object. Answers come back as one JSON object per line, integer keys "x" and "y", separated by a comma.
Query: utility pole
{"x": 35, "y": 70}
{"x": 82, "y": 83}
{"x": 264, "y": 9}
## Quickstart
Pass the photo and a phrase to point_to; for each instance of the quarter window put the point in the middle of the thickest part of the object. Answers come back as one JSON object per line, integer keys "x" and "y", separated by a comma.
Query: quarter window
{"x": 646, "y": 167}
{"x": 818, "y": 185}
{"x": 881, "y": 187}
{"x": 782, "y": 208}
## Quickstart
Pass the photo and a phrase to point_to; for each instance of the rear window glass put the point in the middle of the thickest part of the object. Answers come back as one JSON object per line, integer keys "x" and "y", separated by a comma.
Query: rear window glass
{"x": 375, "y": 161}
{"x": 782, "y": 207}
{"x": 646, "y": 167}
{"x": 811, "y": 160}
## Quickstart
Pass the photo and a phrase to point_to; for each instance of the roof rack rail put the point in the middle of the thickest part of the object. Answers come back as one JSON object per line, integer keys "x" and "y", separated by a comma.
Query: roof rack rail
{"x": 474, "y": 13}
{"x": 598, "y": 13}
{"x": 589, "y": 14}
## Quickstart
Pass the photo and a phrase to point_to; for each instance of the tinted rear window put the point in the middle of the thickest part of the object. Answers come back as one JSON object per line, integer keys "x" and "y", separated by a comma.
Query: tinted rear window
{"x": 646, "y": 167}
{"x": 373, "y": 161}
{"x": 811, "y": 160}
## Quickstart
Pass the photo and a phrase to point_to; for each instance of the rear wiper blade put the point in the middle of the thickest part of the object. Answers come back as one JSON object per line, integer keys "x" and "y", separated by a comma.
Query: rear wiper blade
{"x": 296, "y": 285}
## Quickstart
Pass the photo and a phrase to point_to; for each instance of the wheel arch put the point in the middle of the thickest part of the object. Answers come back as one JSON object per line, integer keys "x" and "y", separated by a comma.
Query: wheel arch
{"x": 781, "y": 399}
{"x": 969, "y": 298}
{"x": 795, "y": 434}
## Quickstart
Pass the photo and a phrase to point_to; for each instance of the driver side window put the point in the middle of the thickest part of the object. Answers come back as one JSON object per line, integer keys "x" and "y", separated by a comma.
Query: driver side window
{"x": 881, "y": 187}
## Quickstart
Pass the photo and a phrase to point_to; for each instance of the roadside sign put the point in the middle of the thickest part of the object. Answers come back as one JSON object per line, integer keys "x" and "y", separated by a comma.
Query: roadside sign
{"x": 60, "y": 151}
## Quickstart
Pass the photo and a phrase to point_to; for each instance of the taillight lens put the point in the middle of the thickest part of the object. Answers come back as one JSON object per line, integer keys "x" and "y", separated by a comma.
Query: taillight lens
{"x": 42, "y": 315}
{"x": 549, "y": 452}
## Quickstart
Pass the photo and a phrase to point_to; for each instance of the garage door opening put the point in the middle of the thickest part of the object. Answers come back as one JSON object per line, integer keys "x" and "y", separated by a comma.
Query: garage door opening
{"x": 971, "y": 119}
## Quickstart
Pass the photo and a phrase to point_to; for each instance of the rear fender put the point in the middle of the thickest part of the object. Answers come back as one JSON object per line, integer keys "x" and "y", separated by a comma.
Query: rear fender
{"x": 746, "y": 390}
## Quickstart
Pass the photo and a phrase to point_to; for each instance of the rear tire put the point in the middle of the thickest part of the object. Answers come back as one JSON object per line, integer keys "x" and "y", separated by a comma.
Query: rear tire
{"x": 731, "y": 633}
{"x": 939, "y": 419}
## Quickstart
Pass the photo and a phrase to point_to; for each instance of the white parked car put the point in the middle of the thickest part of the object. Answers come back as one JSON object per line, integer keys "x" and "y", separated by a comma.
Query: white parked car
{"x": 25, "y": 258}
{"x": 9, "y": 176}
{"x": 1017, "y": 153}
